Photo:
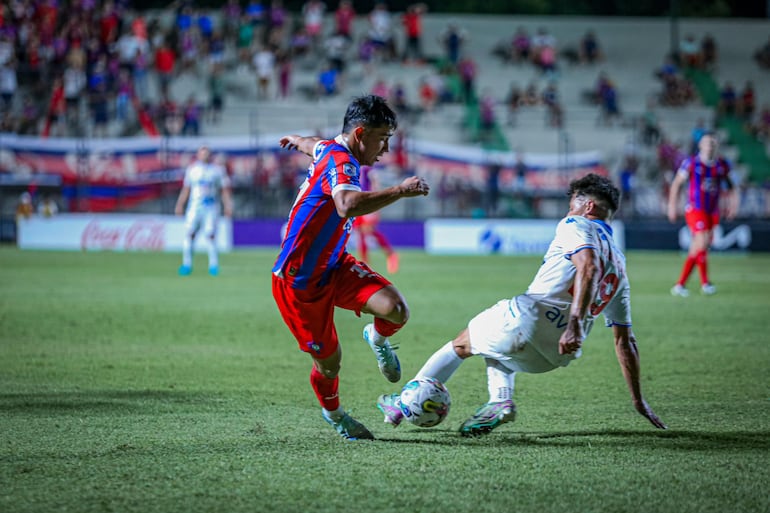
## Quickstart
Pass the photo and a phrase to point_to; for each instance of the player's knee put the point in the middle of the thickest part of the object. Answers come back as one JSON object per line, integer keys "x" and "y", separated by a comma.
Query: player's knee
{"x": 331, "y": 373}
{"x": 398, "y": 311}
{"x": 329, "y": 370}
{"x": 462, "y": 344}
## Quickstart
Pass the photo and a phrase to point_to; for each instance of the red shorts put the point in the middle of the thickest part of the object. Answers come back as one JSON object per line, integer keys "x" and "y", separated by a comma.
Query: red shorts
{"x": 367, "y": 219}
{"x": 310, "y": 314}
{"x": 699, "y": 221}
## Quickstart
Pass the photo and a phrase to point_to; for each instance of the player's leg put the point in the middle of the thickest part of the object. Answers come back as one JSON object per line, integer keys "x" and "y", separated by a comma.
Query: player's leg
{"x": 308, "y": 320}
{"x": 441, "y": 365}
{"x": 500, "y": 408}
{"x": 210, "y": 230}
{"x": 191, "y": 225}
{"x": 503, "y": 335}
{"x": 700, "y": 244}
{"x": 696, "y": 224}
{"x": 360, "y": 289}
{"x": 390, "y": 253}
{"x": 324, "y": 378}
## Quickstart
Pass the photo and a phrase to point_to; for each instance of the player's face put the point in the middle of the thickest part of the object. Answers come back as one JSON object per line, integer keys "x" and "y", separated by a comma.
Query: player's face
{"x": 372, "y": 144}
{"x": 708, "y": 147}
{"x": 204, "y": 154}
{"x": 578, "y": 205}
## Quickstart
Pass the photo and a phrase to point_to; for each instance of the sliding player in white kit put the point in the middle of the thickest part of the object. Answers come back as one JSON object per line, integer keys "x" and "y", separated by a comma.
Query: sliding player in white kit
{"x": 583, "y": 274}
{"x": 204, "y": 182}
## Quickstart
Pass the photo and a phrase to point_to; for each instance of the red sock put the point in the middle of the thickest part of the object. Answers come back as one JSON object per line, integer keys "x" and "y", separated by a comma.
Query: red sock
{"x": 383, "y": 242}
{"x": 686, "y": 269}
{"x": 386, "y": 328}
{"x": 325, "y": 389}
{"x": 702, "y": 263}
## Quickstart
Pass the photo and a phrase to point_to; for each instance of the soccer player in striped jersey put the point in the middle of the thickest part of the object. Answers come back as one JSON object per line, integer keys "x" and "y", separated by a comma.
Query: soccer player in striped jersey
{"x": 583, "y": 274}
{"x": 314, "y": 273}
{"x": 708, "y": 175}
{"x": 368, "y": 226}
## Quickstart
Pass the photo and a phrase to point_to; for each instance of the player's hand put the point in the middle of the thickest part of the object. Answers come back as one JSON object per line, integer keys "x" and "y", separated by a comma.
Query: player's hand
{"x": 730, "y": 212}
{"x": 645, "y": 411}
{"x": 572, "y": 338}
{"x": 672, "y": 214}
{"x": 414, "y": 186}
{"x": 290, "y": 142}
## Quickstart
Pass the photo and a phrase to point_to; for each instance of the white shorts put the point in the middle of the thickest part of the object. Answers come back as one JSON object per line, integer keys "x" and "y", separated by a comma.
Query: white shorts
{"x": 202, "y": 218}
{"x": 509, "y": 335}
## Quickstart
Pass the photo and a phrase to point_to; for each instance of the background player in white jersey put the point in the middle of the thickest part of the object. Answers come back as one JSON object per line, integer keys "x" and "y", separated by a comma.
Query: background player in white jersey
{"x": 204, "y": 183}
{"x": 583, "y": 273}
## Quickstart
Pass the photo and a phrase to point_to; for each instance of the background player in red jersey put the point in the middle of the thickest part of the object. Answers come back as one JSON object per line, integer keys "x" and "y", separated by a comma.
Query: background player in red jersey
{"x": 367, "y": 226}
{"x": 314, "y": 273}
{"x": 708, "y": 174}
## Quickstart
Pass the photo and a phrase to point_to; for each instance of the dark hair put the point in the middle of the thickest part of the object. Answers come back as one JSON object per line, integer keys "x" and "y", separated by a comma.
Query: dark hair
{"x": 601, "y": 189}
{"x": 369, "y": 111}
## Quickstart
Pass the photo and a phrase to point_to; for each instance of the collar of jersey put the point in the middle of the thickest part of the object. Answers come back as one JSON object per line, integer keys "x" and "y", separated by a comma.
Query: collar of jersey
{"x": 339, "y": 140}
{"x": 603, "y": 225}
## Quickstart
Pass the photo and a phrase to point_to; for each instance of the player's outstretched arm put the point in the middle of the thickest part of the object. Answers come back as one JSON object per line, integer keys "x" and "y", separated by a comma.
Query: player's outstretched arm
{"x": 227, "y": 201}
{"x": 182, "y": 200}
{"x": 673, "y": 195}
{"x": 586, "y": 262}
{"x": 628, "y": 357}
{"x": 358, "y": 203}
{"x": 299, "y": 143}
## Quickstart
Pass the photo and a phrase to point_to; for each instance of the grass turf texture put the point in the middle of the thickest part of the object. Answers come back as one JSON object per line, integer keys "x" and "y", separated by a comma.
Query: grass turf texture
{"x": 124, "y": 387}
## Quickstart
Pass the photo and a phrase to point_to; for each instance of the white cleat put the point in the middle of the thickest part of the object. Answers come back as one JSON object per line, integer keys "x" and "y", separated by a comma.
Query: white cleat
{"x": 708, "y": 289}
{"x": 678, "y": 290}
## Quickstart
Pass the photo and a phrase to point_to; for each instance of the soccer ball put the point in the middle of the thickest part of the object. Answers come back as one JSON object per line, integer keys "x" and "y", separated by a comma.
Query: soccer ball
{"x": 425, "y": 402}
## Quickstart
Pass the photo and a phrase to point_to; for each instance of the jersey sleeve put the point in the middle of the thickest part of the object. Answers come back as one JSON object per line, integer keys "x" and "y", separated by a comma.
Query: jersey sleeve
{"x": 575, "y": 234}
{"x": 684, "y": 167}
{"x": 343, "y": 173}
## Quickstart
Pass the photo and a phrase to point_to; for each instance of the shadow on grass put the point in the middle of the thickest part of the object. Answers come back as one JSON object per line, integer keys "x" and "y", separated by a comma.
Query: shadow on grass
{"x": 109, "y": 402}
{"x": 649, "y": 439}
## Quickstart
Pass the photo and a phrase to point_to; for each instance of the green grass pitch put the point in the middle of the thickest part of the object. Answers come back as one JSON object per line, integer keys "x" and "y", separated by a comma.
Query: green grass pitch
{"x": 126, "y": 388}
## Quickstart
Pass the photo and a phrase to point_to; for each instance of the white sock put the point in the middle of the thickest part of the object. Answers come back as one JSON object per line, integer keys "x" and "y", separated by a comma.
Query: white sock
{"x": 377, "y": 339}
{"x": 187, "y": 244}
{"x": 335, "y": 415}
{"x": 442, "y": 364}
{"x": 499, "y": 381}
{"x": 213, "y": 254}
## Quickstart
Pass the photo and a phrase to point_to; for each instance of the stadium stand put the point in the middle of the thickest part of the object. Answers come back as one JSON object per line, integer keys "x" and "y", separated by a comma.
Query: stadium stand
{"x": 632, "y": 51}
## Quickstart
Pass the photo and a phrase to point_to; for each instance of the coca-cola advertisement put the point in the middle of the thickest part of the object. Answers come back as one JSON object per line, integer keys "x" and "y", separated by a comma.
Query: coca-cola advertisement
{"x": 113, "y": 232}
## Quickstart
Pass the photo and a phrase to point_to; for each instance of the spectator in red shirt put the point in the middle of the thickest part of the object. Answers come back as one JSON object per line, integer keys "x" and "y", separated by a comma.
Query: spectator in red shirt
{"x": 109, "y": 24}
{"x": 343, "y": 19}
{"x": 412, "y": 21}
{"x": 165, "y": 63}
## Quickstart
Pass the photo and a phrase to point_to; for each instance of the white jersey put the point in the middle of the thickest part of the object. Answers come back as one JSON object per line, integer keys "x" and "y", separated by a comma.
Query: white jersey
{"x": 205, "y": 181}
{"x": 552, "y": 286}
{"x": 523, "y": 332}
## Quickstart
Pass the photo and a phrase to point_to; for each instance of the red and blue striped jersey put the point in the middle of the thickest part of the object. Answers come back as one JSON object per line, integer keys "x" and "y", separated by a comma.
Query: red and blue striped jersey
{"x": 316, "y": 235}
{"x": 705, "y": 182}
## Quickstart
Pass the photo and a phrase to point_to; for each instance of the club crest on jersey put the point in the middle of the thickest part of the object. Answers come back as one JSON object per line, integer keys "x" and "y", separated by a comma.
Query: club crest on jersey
{"x": 315, "y": 347}
{"x": 349, "y": 169}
